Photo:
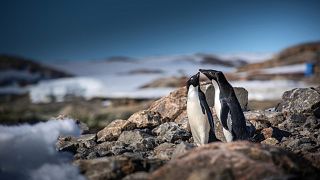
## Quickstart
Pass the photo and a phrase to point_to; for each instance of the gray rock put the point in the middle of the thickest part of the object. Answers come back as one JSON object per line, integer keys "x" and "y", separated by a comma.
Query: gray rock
{"x": 67, "y": 143}
{"x": 182, "y": 148}
{"x": 171, "y": 132}
{"x": 164, "y": 151}
{"x": 136, "y": 141}
{"x": 257, "y": 119}
{"x": 299, "y": 100}
{"x": 87, "y": 140}
{"x": 134, "y": 136}
{"x": 241, "y": 94}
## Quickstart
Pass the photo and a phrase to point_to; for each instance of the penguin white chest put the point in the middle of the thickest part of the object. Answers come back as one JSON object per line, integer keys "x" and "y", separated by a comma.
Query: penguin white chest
{"x": 217, "y": 104}
{"x": 217, "y": 107}
{"x": 198, "y": 121}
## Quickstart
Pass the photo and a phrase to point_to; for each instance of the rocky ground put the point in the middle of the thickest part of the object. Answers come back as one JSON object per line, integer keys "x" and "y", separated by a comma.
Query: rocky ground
{"x": 156, "y": 143}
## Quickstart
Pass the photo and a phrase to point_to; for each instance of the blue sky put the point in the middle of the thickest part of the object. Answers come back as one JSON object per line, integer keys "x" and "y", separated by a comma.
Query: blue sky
{"x": 82, "y": 29}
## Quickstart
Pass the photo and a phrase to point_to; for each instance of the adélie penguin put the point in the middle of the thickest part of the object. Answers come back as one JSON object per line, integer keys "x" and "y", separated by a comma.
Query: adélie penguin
{"x": 199, "y": 114}
{"x": 228, "y": 108}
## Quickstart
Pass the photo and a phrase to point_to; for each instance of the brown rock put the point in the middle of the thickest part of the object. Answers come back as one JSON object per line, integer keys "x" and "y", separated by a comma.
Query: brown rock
{"x": 270, "y": 141}
{"x": 183, "y": 121}
{"x": 171, "y": 106}
{"x": 137, "y": 176}
{"x": 267, "y": 132}
{"x": 114, "y": 129}
{"x": 147, "y": 119}
{"x": 236, "y": 160}
{"x": 106, "y": 168}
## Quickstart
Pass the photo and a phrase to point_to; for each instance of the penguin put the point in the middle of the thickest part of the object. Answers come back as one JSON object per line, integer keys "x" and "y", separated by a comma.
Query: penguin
{"x": 228, "y": 108}
{"x": 199, "y": 114}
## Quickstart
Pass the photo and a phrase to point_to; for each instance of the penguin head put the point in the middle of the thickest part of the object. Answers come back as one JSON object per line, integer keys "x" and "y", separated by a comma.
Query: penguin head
{"x": 193, "y": 80}
{"x": 211, "y": 74}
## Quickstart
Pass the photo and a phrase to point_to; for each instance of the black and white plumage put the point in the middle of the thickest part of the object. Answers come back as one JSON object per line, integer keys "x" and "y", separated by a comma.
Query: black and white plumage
{"x": 199, "y": 114}
{"x": 228, "y": 108}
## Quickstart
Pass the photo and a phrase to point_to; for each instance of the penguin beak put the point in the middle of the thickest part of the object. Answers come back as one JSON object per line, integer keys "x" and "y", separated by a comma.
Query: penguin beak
{"x": 210, "y": 75}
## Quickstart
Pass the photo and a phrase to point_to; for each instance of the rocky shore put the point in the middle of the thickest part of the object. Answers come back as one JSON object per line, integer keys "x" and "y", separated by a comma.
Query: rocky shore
{"x": 156, "y": 143}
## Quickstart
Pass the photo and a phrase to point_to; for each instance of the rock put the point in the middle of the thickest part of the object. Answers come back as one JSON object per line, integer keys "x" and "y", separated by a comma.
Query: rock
{"x": 171, "y": 132}
{"x": 299, "y": 101}
{"x": 236, "y": 160}
{"x": 258, "y": 119}
{"x": 114, "y": 129}
{"x": 87, "y": 140}
{"x": 137, "y": 140}
{"x": 105, "y": 148}
{"x": 270, "y": 141}
{"x": 147, "y": 119}
{"x": 293, "y": 122}
{"x": 137, "y": 176}
{"x": 274, "y": 117}
{"x": 273, "y": 132}
{"x": 164, "y": 151}
{"x": 314, "y": 158}
{"x": 241, "y": 94}
{"x": 182, "y": 121}
{"x": 171, "y": 106}
{"x": 262, "y": 119}
{"x": 67, "y": 143}
{"x": 115, "y": 167}
{"x": 182, "y": 148}
{"x": 130, "y": 137}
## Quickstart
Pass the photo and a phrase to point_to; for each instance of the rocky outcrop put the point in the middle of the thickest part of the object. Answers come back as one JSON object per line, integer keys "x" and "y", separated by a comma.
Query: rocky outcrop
{"x": 237, "y": 160}
{"x": 114, "y": 129}
{"x": 286, "y": 145}
{"x": 300, "y": 101}
{"x": 115, "y": 167}
{"x": 172, "y": 105}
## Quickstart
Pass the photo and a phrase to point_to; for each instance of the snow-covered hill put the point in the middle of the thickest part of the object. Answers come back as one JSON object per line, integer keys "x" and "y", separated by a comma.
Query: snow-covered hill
{"x": 123, "y": 78}
{"x": 119, "y": 79}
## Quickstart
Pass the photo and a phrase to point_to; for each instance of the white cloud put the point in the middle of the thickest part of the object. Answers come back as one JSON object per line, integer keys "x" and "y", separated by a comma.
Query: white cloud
{"x": 28, "y": 151}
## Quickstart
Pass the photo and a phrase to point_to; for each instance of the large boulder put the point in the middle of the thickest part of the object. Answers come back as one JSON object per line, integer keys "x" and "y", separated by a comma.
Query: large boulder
{"x": 115, "y": 167}
{"x": 114, "y": 129}
{"x": 300, "y": 101}
{"x": 236, "y": 160}
{"x": 171, "y": 106}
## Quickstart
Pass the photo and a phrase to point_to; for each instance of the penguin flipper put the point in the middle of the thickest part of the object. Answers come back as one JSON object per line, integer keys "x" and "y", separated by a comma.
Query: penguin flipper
{"x": 206, "y": 110}
{"x": 225, "y": 115}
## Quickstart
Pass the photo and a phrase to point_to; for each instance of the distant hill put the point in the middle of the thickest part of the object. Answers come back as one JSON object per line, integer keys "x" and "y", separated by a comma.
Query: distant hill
{"x": 297, "y": 54}
{"x": 18, "y": 71}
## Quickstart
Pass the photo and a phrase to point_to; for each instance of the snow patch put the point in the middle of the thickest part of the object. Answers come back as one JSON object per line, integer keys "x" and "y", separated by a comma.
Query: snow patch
{"x": 296, "y": 68}
{"x": 58, "y": 89}
{"x": 267, "y": 90}
{"x": 28, "y": 151}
